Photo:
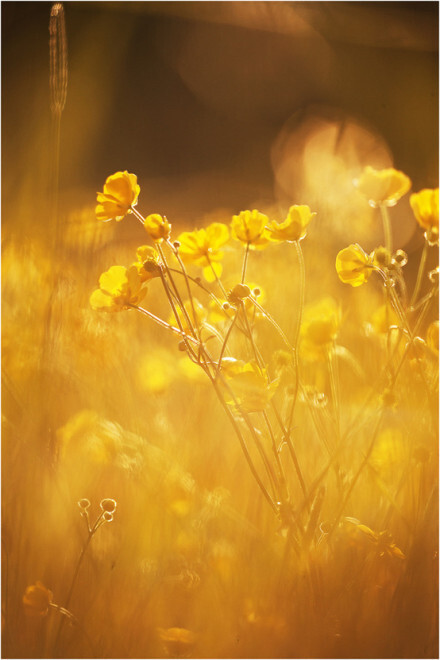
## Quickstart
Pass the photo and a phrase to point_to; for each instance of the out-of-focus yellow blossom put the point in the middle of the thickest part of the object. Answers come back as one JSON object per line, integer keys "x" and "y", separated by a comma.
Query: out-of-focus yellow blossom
{"x": 249, "y": 227}
{"x": 353, "y": 265}
{"x": 37, "y": 599}
{"x": 202, "y": 248}
{"x": 249, "y": 384}
{"x": 196, "y": 308}
{"x": 157, "y": 371}
{"x": 190, "y": 370}
{"x": 383, "y": 317}
{"x": 178, "y": 642}
{"x": 119, "y": 288}
{"x": 383, "y": 541}
{"x": 425, "y": 207}
{"x": 120, "y": 193}
{"x": 319, "y": 328}
{"x": 158, "y": 227}
{"x": 432, "y": 336}
{"x": 383, "y": 186}
{"x": 389, "y": 452}
{"x": 148, "y": 263}
{"x": 294, "y": 227}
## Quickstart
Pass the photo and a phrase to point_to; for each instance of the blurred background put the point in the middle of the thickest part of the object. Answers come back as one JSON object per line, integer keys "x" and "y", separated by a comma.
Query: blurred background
{"x": 216, "y": 107}
{"x": 221, "y": 104}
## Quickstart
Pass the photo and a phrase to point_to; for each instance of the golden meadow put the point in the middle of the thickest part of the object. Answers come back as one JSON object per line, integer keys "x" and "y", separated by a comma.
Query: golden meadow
{"x": 220, "y": 441}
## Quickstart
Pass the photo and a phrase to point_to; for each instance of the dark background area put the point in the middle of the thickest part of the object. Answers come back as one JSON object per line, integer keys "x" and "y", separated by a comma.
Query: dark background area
{"x": 191, "y": 96}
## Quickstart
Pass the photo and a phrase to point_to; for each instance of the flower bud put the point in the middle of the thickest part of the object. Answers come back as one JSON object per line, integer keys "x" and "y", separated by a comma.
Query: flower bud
{"x": 381, "y": 257}
{"x": 400, "y": 258}
{"x": 433, "y": 275}
{"x": 108, "y": 505}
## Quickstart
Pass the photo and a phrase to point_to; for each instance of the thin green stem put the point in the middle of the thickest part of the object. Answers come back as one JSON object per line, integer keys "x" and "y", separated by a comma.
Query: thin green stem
{"x": 386, "y": 227}
{"x": 334, "y": 386}
{"x": 188, "y": 288}
{"x": 216, "y": 277}
{"x": 223, "y": 348}
{"x": 302, "y": 285}
{"x": 420, "y": 272}
{"x": 245, "y": 260}
{"x": 164, "y": 324}
{"x": 243, "y": 444}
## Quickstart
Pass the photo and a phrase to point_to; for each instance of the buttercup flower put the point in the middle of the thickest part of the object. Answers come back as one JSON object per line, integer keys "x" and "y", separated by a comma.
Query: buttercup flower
{"x": 249, "y": 384}
{"x": 249, "y": 227}
{"x": 119, "y": 288}
{"x": 202, "y": 248}
{"x": 353, "y": 265}
{"x": 157, "y": 227}
{"x": 383, "y": 186}
{"x": 425, "y": 207}
{"x": 148, "y": 263}
{"x": 320, "y": 326}
{"x": 120, "y": 193}
{"x": 294, "y": 227}
{"x": 383, "y": 317}
{"x": 195, "y": 308}
{"x": 36, "y": 599}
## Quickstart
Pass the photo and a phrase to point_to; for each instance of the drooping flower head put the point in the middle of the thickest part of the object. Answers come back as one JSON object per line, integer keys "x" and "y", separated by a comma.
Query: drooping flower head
{"x": 202, "y": 248}
{"x": 120, "y": 193}
{"x": 294, "y": 227}
{"x": 37, "y": 599}
{"x": 425, "y": 207}
{"x": 148, "y": 263}
{"x": 383, "y": 186}
{"x": 158, "y": 227}
{"x": 353, "y": 265}
{"x": 119, "y": 289}
{"x": 249, "y": 227}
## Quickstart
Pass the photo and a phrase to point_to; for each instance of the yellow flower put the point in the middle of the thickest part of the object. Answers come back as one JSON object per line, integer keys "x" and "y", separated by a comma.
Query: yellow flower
{"x": 249, "y": 384}
{"x": 196, "y": 308}
{"x": 249, "y": 227}
{"x": 383, "y": 541}
{"x": 202, "y": 247}
{"x": 319, "y": 328}
{"x": 36, "y": 599}
{"x": 353, "y": 265}
{"x": 120, "y": 193}
{"x": 157, "y": 370}
{"x": 425, "y": 207}
{"x": 148, "y": 263}
{"x": 119, "y": 288}
{"x": 294, "y": 226}
{"x": 383, "y": 186}
{"x": 157, "y": 227}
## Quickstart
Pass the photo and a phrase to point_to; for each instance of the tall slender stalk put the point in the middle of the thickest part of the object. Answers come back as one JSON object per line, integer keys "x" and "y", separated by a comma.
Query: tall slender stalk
{"x": 386, "y": 222}
{"x": 420, "y": 272}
